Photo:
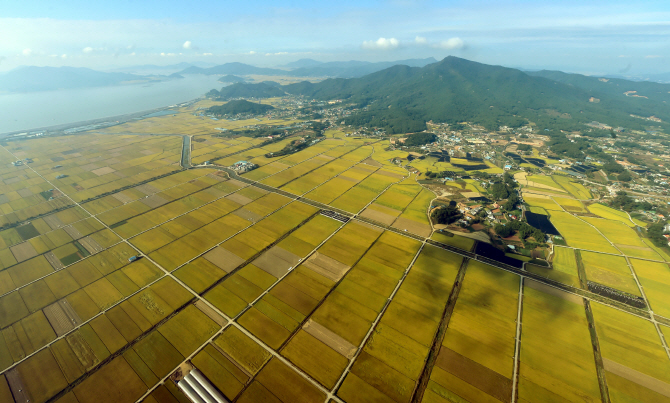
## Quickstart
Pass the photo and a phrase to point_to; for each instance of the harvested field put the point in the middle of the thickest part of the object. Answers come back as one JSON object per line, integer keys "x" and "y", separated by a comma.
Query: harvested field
{"x": 381, "y": 214}
{"x": 276, "y": 261}
{"x": 326, "y": 266}
{"x": 62, "y": 317}
{"x": 223, "y": 259}
{"x": 23, "y": 251}
{"x": 412, "y": 226}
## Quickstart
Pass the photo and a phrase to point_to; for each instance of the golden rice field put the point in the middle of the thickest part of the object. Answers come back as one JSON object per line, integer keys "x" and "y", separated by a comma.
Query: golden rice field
{"x": 580, "y": 234}
{"x": 612, "y": 214}
{"x": 117, "y": 267}
{"x": 574, "y": 188}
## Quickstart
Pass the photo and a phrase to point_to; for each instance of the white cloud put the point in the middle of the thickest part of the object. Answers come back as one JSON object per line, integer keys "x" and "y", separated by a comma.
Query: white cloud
{"x": 63, "y": 56}
{"x": 421, "y": 40}
{"x": 208, "y": 54}
{"x": 187, "y": 45}
{"x": 652, "y": 56}
{"x": 381, "y": 43}
{"x": 27, "y": 52}
{"x": 452, "y": 43}
{"x": 252, "y": 52}
{"x": 87, "y": 49}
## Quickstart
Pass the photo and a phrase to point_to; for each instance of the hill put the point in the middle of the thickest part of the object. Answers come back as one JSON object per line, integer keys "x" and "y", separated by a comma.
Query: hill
{"x": 238, "y": 106}
{"x": 302, "y": 63}
{"x": 244, "y": 90}
{"x": 231, "y": 79}
{"x": 403, "y": 98}
{"x": 353, "y": 68}
{"x": 234, "y": 68}
{"x": 33, "y": 78}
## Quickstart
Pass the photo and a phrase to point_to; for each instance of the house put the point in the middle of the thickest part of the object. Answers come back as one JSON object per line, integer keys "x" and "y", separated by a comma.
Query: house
{"x": 243, "y": 166}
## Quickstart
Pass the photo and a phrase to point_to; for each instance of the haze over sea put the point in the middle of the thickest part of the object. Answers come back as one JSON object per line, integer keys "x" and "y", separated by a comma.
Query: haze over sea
{"x": 33, "y": 110}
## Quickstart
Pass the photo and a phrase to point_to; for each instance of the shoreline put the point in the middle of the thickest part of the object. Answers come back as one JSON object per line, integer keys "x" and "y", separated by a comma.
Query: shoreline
{"x": 117, "y": 119}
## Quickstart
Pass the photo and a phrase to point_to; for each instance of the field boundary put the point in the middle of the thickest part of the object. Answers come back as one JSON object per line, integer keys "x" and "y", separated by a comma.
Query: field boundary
{"x": 420, "y": 387}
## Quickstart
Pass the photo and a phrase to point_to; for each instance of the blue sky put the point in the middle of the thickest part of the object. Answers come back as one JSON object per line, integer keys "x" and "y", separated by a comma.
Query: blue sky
{"x": 593, "y": 37}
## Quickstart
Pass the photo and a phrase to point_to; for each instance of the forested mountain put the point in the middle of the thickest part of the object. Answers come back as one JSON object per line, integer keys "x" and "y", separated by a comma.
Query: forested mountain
{"x": 238, "y": 106}
{"x": 309, "y": 68}
{"x": 403, "y": 98}
{"x": 353, "y": 68}
{"x": 244, "y": 90}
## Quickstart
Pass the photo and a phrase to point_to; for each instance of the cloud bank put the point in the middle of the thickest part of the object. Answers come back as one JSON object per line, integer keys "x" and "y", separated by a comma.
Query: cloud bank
{"x": 381, "y": 43}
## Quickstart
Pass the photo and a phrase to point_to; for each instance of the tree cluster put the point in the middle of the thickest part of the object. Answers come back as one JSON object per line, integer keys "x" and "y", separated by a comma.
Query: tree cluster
{"x": 522, "y": 229}
{"x": 655, "y": 233}
{"x": 446, "y": 214}
{"x": 419, "y": 139}
{"x": 626, "y": 203}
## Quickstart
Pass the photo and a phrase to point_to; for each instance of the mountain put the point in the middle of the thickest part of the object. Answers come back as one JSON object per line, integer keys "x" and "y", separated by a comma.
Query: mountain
{"x": 302, "y": 63}
{"x": 238, "y": 106}
{"x": 34, "y": 78}
{"x": 156, "y": 68}
{"x": 231, "y": 79}
{"x": 310, "y": 68}
{"x": 403, "y": 98}
{"x": 244, "y": 90}
{"x": 354, "y": 68}
{"x": 234, "y": 68}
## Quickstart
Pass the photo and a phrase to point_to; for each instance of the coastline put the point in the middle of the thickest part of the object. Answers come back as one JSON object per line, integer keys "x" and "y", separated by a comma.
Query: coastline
{"x": 117, "y": 119}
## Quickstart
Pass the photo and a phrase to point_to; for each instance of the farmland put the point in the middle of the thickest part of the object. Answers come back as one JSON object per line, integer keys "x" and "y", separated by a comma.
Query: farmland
{"x": 316, "y": 277}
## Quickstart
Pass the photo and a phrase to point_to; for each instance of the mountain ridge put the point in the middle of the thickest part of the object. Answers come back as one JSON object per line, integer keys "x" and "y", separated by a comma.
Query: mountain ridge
{"x": 455, "y": 90}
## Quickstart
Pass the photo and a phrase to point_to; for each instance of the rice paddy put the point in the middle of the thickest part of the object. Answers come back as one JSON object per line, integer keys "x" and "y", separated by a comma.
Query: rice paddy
{"x": 118, "y": 266}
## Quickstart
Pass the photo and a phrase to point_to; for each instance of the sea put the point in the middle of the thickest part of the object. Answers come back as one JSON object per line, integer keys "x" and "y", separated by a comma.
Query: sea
{"x": 28, "y": 111}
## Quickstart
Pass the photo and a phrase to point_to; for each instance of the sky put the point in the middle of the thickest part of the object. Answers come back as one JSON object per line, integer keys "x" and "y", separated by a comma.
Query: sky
{"x": 589, "y": 37}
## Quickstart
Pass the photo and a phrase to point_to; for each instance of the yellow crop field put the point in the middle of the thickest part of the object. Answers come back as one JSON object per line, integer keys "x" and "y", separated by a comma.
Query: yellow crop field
{"x": 580, "y": 234}
{"x": 609, "y": 270}
{"x": 611, "y": 214}
{"x": 556, "y": 355}
{"x": 570, "y": 204}
{"x": 574, "y": 188}
{"x": 655, "y": 278}
{"x": 633, "y": 355}
{"x": 623, "y": 237}
{"x": 545, "y": 203}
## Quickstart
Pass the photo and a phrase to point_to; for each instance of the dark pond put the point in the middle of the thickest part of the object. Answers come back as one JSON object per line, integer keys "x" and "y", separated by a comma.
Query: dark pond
{"x": 541, "y": 222}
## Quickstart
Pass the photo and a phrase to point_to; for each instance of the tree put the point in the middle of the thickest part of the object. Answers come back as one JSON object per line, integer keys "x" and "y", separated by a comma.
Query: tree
{"x": 612, "y": 167}
{"x": 420, "y": 139}
{"x": 504, "y": 230}
{"x": 499, "y": 191}
{"x": 447, "y": 214}
{"x": 625, "y": 177}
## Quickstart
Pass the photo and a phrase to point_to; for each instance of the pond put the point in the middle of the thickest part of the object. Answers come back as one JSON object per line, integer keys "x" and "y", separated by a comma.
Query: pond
{"x": 541, "y": 222}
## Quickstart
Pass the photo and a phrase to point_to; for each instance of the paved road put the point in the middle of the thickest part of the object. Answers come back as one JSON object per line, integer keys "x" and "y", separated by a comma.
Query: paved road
{"x": 186, "y": 152}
